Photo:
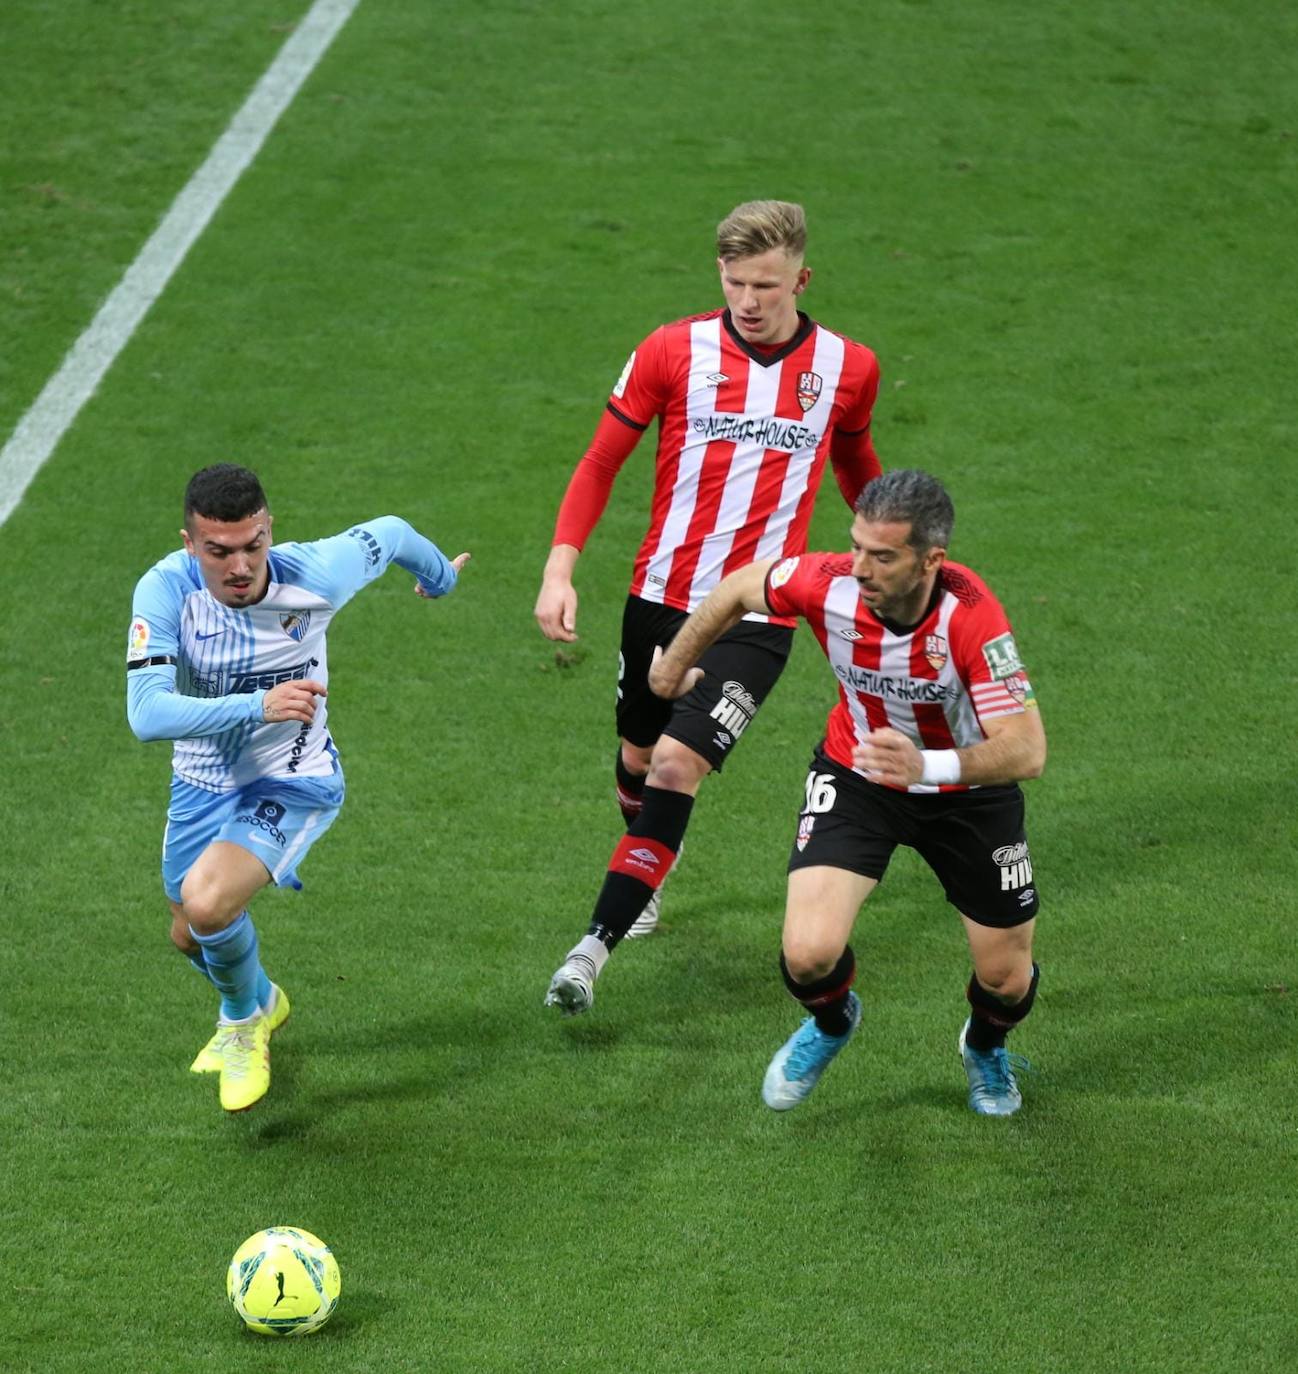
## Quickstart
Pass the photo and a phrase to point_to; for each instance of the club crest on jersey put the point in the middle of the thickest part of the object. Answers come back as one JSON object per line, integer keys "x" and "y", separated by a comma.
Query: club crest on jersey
{"x": 295, "y": 624}
{"x": 1018, "y": 687}
{"x": 809, "y": 385}
{"x": 935, "y": 652}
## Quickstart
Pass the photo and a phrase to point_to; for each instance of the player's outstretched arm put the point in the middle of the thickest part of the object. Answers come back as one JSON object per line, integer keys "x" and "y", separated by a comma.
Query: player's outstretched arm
{"x": 556, "y": 603}
{"x": 457, "y": 563}
{"x": 672, "y": 672}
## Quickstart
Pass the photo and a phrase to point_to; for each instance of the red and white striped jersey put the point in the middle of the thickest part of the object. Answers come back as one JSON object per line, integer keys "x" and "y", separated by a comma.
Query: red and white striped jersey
{"x": 742, "y": 441}
{"x": 935, "y": 682}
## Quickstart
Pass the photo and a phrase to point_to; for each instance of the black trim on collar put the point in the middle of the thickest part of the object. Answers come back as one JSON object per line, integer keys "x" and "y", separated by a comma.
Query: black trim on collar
{"x": 806, "y": 325}
{"x": 626, "y": 419}
{"x": 157, "y": 661}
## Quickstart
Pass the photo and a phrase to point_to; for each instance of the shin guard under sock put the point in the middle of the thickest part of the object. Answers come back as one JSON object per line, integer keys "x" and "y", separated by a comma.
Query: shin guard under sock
{"x": 233, "y": 965}
{"x": 826, "y": 998}
{"x": 640, "y": 863}
{"x": 630, "y": 789}
{"x": 991, "y": 1020}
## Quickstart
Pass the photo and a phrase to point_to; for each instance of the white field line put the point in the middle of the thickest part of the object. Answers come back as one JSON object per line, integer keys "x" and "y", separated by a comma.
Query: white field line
{"x": 86, "y": 362}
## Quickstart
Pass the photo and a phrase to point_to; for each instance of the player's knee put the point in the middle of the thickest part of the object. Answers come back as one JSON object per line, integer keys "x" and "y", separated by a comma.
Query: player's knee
{"x": 1007, "y": 979}
{"x": 180, "y": 936}
{"x": 206, "y": 910}
{"x": 808, "y": 960}
{"x": 636, "y": 758}
{"x": 677, "y": 769}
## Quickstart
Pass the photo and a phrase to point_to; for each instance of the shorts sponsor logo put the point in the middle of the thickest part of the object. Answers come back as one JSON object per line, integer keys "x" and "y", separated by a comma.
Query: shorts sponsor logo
{"x": 1002, "y": 657}
{"x": 935, "y": 652}
{"x": 620, "y": 388}
{"x": 1015, "y": 864}
{"x": 265, "y": 819}
{"x": 805, "y": 826}
{"x": 722, "y": 740}
{"x": 137, "y": 642}
{"x": 1027, "y": 896}
{"x": 295, "y": 624}
{"x": 735, "y": 709}
{"x": 781, "y": 573}
{"x": 809, "y": 386}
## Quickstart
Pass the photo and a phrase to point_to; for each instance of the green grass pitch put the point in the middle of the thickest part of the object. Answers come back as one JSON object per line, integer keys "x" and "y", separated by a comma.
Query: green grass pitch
{"x": 1068, "y": 232}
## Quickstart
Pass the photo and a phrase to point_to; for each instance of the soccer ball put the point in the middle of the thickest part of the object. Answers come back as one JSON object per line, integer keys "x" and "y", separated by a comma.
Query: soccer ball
{"x": 284, "y": 1282}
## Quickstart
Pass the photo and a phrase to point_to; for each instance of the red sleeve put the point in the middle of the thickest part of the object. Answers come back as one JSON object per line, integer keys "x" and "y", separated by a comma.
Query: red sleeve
{"x": 986, "y": 656}
{"x": 851, "y": 450}
{"x": 592, "y": 480}
{"x": 637, "y": 398}
{"x": 789, "y": 582}
{"x": 855, "y": 462}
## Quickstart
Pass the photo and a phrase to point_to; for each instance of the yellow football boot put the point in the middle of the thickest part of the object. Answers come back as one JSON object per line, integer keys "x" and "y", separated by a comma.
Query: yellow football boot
{"x": 245, "y": 1064}
{"x": 209, "y": 1057}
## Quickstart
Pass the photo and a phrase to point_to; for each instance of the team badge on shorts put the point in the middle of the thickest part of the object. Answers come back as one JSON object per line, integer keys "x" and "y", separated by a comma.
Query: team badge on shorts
{"x": 295, "y": 624}
{"x": 809, "y": 385}
{"x": 805, "y": 826}
{"x": 935, "y": 652}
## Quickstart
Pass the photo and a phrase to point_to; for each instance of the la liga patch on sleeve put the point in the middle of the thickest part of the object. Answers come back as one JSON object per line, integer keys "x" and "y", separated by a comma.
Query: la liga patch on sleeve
{"x": 137, "y": 640}
{"x": 783, "y": 571}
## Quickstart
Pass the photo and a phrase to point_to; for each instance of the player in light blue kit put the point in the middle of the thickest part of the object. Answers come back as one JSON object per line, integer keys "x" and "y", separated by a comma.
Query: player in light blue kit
{"x": 227, "y": 658}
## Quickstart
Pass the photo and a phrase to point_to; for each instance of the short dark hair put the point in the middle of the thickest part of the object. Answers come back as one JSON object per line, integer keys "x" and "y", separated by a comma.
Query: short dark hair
{"x": 908, "y": 496}
{"x": 224, "y": 492}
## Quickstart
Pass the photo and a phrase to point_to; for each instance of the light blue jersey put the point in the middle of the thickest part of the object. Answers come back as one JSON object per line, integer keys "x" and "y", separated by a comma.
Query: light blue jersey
{"x": 198, "y": 671}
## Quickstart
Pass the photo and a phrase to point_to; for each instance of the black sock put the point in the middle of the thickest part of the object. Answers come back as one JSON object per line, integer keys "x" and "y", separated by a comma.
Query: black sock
{"x": 826, "y": 998}
{"x": 991, "y": 1020}
{"x": 630, "y": 789}
{"x": 642, "y": 859}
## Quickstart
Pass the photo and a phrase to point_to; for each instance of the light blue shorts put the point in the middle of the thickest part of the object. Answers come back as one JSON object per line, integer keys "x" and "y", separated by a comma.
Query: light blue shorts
{"x": 277, "y": 819}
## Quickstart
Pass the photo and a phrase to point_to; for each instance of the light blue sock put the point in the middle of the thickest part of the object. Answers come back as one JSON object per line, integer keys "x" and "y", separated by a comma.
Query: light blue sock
{"x": 199, "y": 962}
{"x": 233, "y": 965}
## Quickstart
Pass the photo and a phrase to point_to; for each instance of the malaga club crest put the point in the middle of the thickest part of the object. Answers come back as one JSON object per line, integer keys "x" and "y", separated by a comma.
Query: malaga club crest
{"x": 809, "y": 385}
{"x": 295, "y": 624}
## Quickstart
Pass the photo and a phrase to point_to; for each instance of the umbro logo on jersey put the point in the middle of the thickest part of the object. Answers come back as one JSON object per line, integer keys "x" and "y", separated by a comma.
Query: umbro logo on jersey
{"x": 716, "y": 378}
{"x": 850, "y": 634}
{"x": 211, "y": 634}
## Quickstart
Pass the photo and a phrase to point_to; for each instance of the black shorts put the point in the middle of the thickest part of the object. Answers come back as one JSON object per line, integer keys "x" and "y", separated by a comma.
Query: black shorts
{"x": 739, "y": 671}
{"x": 974, "y": 841}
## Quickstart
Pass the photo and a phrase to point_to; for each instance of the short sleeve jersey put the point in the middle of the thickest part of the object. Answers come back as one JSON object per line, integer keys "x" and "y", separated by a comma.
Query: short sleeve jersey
{"x": 221, "y": 651}
{"x": 742, "y": 442}
{"x": 936, "y": 682}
